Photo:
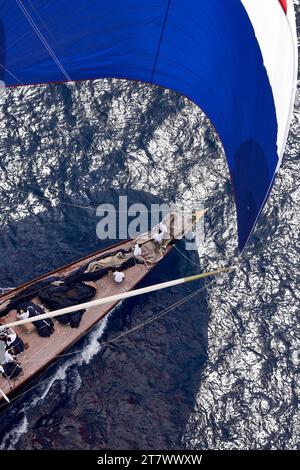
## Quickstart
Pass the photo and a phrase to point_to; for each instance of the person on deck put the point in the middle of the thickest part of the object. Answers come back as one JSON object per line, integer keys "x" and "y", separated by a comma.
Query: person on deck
{"x": 13, "y": 343}
{"x": 45, "y": 328}
{"x": 163, "y": 228}
{"x": 137, "y": 250}
{"x": 118, "y": 276}
{"x": 10, "y": 369}
{"x": 158, "y": 238}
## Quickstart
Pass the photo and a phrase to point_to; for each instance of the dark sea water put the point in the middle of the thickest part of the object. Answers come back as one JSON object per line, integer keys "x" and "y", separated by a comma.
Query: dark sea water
{"x": 220, "y": 371}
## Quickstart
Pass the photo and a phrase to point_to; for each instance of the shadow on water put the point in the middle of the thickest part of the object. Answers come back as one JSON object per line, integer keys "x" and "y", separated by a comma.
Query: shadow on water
{"x": 135, "y": 393}
{"x": 57, "y": 235}
{"x": 147, "y": 381}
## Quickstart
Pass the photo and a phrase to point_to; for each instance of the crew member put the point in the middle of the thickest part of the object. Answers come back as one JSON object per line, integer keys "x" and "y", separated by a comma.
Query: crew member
{"x": 45, "y": 327}
{"x": 118, "y": 276}
{"x": 162, "y": 227}
{"x": 10, "y": 369}
{"x": 158, "y": 237}
{"x": 137, "y": 250}
{"x": 13, "y": 342}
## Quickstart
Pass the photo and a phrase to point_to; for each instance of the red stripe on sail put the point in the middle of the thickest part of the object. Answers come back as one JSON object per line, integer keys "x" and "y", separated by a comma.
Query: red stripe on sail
{"x": 284, "y": 5}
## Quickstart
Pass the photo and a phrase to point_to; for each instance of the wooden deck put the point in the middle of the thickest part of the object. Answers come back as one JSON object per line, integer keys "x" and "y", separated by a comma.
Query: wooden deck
{"x": 42, "y": 351}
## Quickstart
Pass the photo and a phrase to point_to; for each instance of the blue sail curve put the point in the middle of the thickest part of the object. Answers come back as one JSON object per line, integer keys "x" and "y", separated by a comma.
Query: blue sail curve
{"x": 204, "y": 49}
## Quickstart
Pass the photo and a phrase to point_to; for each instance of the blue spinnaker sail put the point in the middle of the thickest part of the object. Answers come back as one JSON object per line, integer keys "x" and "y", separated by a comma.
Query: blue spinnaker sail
{"x": 213, "y": 51}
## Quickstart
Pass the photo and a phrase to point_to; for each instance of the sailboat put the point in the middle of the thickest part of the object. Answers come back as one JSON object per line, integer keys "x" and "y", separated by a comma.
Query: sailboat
{"x": 95, "y": 272}
{"x": 237, "y": 60}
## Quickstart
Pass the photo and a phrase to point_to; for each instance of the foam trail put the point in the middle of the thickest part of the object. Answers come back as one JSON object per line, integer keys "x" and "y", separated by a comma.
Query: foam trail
{"x": 83, "y": 357}
{"x": 12, "y": 437}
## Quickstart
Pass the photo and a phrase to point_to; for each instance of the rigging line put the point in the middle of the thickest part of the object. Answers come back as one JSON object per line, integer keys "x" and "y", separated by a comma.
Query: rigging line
{"x": 7, "y": 47}
{"x": 62, "y": 68}
{"x": 46, "y": 286}
{"x": 114, "y": 299}
{"x": 10, "y": 73}
{"x": 31, "y": 21}
{"x": 51, "y": 52}
{"x": 138, "y": 326}
{"x": 43, "y": 40}
{"x": 43, "y": 22}
{"x": 31, "y": 193}
{"x": 66, "y": 203}
{"x": 109, "y": 211}
{"x": 106, "y": 343}
{"x": 96, "y": 148}
{"x": 90, "y": 142}
{"x": 218, "y": 245}
{"x": 23, "y": 296}
{"x": 184, "y": 256}
{"x": 198, "y": 265}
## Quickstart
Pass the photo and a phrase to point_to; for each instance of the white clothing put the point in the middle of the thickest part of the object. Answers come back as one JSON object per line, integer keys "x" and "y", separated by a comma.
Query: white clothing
{"x": 23, "y": 316}
{"x": 158, "y": 237}
{"x": 11, "y": 338}
{"x": 137, "y": 250}
{"x": 163, "y": 227}
{"x": 8, "y": 357}
{"x": 119, "y": 276}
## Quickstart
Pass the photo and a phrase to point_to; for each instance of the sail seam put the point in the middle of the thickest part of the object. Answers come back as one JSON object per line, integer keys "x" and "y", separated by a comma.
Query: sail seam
{"x": 160, "y": 41}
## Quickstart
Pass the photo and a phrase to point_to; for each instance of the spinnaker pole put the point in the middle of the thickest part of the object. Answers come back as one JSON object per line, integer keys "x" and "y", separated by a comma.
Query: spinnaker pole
{"x": 117, "y": 297}
{"x": 4, "y": 396}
